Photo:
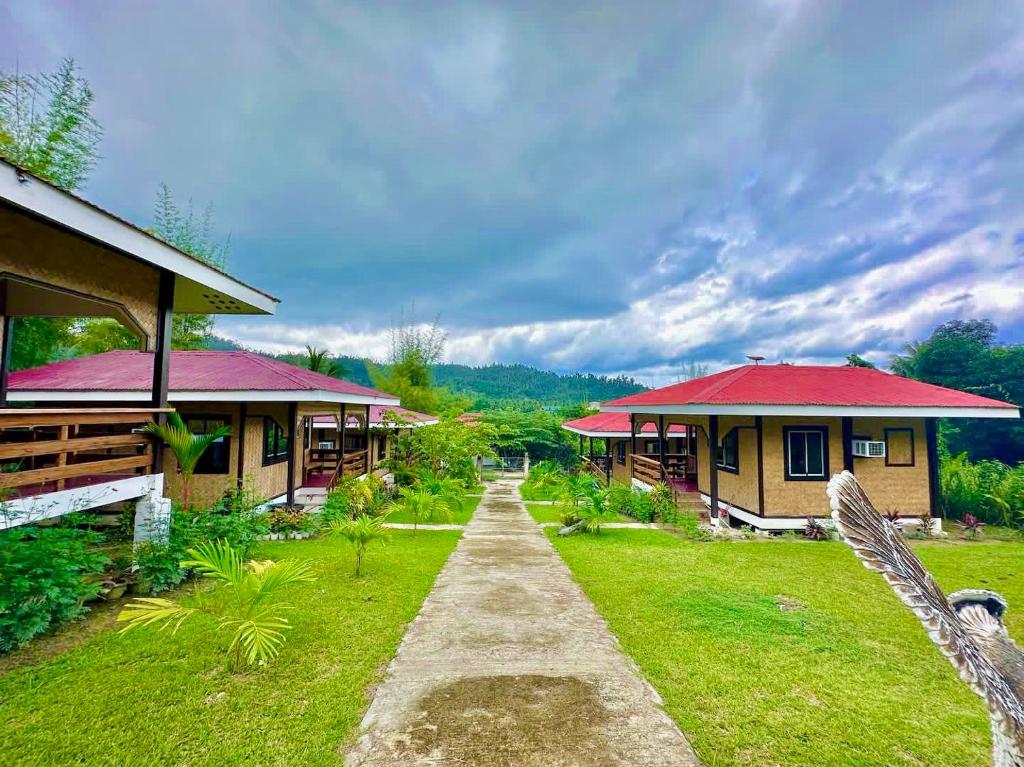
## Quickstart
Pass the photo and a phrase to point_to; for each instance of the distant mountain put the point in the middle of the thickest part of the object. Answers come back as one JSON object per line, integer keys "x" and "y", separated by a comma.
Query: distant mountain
{"x": 494, "y": 385}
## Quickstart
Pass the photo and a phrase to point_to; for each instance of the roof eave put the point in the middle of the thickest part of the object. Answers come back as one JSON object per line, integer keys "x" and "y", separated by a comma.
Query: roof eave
{"x": 45, "y": 201}
{"x": 819, "y": 410}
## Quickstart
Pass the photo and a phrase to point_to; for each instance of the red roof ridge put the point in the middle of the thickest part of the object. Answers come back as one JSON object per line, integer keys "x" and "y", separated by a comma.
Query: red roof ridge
{"x": 726, "y": 380}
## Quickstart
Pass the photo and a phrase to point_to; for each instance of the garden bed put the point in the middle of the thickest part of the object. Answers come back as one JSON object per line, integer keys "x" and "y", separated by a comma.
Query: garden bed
{"x": 153, "y": 698}
{"x": 790, "y": 652}
{"x": 552, "y": 513}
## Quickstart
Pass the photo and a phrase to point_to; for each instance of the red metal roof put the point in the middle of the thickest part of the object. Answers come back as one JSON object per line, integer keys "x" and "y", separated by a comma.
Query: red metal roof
{"x": 380, "y": 414}
{"x": 616, "y": 423}
{"x": 221, "y": 371}
{"x": 840, "y": 386}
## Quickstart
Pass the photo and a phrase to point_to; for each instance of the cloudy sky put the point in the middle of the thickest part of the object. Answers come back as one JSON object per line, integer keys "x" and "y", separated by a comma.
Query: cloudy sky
{"x": 620, "y": 187}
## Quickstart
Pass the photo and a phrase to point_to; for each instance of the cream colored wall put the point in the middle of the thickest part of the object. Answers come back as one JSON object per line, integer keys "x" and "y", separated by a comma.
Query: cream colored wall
{"x": 903, "y": 489}
{"x": 740, "y": 489}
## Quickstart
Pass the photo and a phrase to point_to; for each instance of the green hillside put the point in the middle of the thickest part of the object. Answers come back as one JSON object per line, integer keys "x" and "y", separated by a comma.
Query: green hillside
{"x": 495, "y": 385}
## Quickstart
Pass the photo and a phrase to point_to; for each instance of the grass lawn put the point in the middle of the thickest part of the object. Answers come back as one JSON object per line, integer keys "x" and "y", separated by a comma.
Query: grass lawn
{"x": 542, "y": 512}
{"x": 469, "y": 504}
{"x": 844, "y": 675}
{"x": 152, "y": 698}
{"x": 531, "y": 493}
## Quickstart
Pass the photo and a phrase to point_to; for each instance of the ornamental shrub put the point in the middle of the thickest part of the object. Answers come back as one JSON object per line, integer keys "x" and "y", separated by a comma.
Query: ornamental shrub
{"x": 44, "y": 579}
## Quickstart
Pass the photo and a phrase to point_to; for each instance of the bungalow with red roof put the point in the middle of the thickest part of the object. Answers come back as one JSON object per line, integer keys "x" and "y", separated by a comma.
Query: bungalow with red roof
{"x": 676, "y": 453}
{"x": 61, "y": 256}
{"x": 271, "y": 407}
{"x": 385, "y": 423}
{"x": 767, "y": 438}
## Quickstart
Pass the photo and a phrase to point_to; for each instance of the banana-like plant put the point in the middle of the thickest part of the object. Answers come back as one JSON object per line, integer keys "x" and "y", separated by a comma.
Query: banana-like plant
{"x": 243, "y": 602}
{"x": 187, "y": 447}
{"x": 360, "y": 532}
{"x": 419, "y": 504}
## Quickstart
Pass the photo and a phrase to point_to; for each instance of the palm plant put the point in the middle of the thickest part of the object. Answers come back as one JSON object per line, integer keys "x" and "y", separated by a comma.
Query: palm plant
{"x": 450, "y": 490}
{"x": 360, "y": 532}
{"x": 419, "y": 504}
{"x": 589, "y": 512}
{"x": 243, "y": 603}
{"x": 576, "y": 488}
{"x": 187, "y": 447}
{"x": 319, "y": 361}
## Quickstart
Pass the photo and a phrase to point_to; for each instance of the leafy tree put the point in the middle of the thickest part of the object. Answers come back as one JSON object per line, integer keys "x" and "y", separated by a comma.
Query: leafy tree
{"x": 191, "y": 233}
{"x": 187, "y": 447}
{"x": 47, "y": 127}
{"x": 46, "y": 124}
{"x": 536, "y": 432}
{"x": 963, "y": 354}
{"x": 407, "y": 374}
{"x": 448, "y": 448}
{"x": 96, "y": 335}
{"x": 856, "y": 361}
{"x": 360, "y": 532}
{"x": 244, "y": 602}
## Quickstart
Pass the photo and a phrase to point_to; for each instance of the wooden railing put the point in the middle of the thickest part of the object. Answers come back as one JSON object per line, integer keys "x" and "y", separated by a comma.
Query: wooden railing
{"x": 647, "y": 470}
{"x": 49, "y": 449}
{"x": 596, "y": 465}
{"x": 354, "y": 464}
{"x": 680, "y": 465}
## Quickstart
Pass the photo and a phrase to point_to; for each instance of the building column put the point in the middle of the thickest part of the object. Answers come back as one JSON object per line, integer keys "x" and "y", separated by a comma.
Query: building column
{"x": 293, "y": 443}
{"x": 713, "y": 464}
{"x": 162, "y": 346}
{"x": 341, "y": 440}
{"x": 607, "y": 459}
{"x": 243, "y": 415}
{"x": 848, "y": 444}
{"x": 6, "y": 345}
{"x": 632, "y": 444}
{"x": 366, "y": 440}
{"x": 759, "y": 429}
{"x": 582, "y": 451}
{"x": 661, "y": 446}
{"x": 931, "y": 439}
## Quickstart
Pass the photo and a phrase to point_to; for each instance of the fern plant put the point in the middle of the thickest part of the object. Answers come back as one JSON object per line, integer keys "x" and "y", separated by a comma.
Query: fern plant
{"x": 187, "y": 447}
{"x": 360, "y": 532}
{"x": 244, "y": 602}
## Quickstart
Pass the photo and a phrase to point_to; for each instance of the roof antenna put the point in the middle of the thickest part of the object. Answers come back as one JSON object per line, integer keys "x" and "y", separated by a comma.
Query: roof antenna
{"x": 755, "y": 358}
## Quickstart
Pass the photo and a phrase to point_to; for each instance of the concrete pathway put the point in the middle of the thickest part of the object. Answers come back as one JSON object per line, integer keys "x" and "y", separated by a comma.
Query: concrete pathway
{"x": 508, "y": 663}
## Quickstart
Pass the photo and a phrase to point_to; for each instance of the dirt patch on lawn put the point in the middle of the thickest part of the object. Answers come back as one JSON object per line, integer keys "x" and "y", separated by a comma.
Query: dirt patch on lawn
{"x": 530, "y": 721}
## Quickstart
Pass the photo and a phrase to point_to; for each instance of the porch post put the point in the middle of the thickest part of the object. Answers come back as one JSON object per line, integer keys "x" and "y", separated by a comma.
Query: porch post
{"x": 848, "y": 444}
{"x": 591, "y": 449}
{"x": 932, "y": 444}
{"x": 162, "y": 347}
{"x": 632, "y": 443}
{"x": 293, "y": 443}
{"x": 607, "y": 459}
{"x": 5, "y": 356}
{"x": 341, "y": 440}
{"x": 366, "y": 441}
{"x": 713, "y": 464}
{"x": 661, "y": 445}
{"x": 243, "y": 414}
{"x": 759, "y": 427}
{"x": 582, "y": 452}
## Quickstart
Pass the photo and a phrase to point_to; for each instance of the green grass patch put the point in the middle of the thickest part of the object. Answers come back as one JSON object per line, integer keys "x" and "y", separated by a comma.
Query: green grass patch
{"x": 152, "y": 698}
{"x": 462, "y": 517}
{"x": 791, "y": 653}
{"x": 533, "y": 493}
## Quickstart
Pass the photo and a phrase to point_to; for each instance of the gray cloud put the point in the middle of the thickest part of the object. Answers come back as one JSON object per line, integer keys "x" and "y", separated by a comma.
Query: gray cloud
{"x": 618, "y": 187}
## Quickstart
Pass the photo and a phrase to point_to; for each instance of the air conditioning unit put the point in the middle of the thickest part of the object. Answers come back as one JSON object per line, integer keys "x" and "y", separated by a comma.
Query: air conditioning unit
{"x": 869, "y": 448}
{"x": 325, "y": 446}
